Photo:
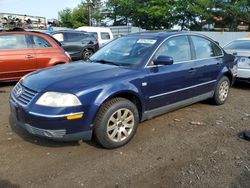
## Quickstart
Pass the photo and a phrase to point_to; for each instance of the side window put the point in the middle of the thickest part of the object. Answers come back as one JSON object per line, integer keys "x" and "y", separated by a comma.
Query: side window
{"x": 12, "y": 41}
{"x": 177, "y": 47}
{"x": 39, "y": 42}
{"x": 91, "y": 38}
{"x": 105, "y": 36}
{"x": 204, "y": 48}
{"x": 95, "y": 34}
{"x": 75, "y": 37}
{"x": 217, "y": 50}
{"x": 59, "y": 37}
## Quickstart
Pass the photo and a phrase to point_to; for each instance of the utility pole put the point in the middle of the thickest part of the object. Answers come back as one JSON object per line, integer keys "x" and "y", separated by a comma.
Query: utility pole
{"x": 90, "y": 13}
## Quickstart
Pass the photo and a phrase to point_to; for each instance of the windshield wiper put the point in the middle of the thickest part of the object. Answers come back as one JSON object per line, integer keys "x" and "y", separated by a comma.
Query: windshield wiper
{"x": 107, "y": 62}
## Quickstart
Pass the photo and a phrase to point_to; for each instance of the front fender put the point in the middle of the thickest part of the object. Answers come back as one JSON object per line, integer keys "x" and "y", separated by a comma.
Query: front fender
{"x": 93, "y": 99}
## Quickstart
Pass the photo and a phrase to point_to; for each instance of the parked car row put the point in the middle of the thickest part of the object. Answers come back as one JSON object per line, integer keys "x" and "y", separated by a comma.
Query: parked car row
{"x": 129, "y": 80}
{"x": 22, "y": 52}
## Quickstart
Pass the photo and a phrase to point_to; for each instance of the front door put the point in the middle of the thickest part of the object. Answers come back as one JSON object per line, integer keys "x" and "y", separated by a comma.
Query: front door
{"x": 170, "y": 84}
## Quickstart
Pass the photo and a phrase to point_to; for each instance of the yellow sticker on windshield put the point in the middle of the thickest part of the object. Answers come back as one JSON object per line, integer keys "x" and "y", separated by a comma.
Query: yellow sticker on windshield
{"x": 146, "y": 41}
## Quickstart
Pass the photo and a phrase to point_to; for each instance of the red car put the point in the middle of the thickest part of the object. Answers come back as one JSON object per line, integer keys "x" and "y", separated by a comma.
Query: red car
{"x": 24, "y": 52}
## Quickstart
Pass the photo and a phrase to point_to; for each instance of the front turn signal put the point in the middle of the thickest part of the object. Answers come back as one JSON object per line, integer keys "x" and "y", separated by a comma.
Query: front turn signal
{"x": 75, "y": 116}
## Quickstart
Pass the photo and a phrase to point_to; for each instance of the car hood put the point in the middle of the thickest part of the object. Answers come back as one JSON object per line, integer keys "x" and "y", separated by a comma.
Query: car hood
{"x": 72, "y": 77}
{"x": 238, "y": 52}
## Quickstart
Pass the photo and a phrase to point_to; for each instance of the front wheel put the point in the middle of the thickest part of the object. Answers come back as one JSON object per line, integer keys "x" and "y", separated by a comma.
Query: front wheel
{"x": 116, "y": 123}
{"x": 222, "y": 91}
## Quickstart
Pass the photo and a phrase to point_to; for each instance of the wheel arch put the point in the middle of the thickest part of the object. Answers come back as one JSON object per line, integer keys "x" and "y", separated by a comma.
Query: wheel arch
{"x": 230, "y": 77}
{"x": 129, "y": 95}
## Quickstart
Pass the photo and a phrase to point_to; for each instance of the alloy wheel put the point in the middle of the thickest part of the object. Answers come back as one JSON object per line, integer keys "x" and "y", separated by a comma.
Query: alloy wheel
{"x": 120, "y": 125}
{"x": 223, "y": 90}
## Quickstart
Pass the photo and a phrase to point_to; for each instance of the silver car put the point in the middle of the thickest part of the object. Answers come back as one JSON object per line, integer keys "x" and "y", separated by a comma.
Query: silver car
{"x": 240, "y": 48}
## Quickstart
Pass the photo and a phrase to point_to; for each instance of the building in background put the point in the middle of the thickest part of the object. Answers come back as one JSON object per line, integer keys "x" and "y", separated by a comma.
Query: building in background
{"x": 8, "y": 20}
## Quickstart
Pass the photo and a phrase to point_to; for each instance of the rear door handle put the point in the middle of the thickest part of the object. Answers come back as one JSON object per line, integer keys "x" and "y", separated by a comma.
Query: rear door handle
{"x": 29, "y": 56}
{"x": 192, "y": 70}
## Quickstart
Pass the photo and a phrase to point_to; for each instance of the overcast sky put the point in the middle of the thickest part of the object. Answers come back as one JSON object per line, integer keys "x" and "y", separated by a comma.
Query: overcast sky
{"x": 44, "y": 8}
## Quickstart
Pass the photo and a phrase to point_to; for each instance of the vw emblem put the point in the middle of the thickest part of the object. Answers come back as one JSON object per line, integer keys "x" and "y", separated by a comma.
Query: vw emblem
{"x": 19, "y": 92}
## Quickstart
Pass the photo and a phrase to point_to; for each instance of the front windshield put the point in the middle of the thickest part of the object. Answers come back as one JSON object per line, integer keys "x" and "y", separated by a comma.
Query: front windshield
{"x": 238, "y": 44}
{"x": 126, "y": 51}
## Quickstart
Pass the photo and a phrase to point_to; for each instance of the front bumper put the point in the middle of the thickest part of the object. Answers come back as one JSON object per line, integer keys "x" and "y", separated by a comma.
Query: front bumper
{"x": 243, "y": 75}
{"x": 56, "y": 128}
{"x": 57, "y": 135}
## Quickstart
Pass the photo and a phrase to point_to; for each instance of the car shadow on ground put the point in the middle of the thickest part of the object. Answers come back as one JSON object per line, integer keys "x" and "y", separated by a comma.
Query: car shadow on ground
{"x": 241, "y": 85}
{"x": 43, "y": 141}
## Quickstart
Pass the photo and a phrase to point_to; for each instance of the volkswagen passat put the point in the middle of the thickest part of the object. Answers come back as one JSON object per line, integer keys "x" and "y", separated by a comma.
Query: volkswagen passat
{"x": 129, "y": 80}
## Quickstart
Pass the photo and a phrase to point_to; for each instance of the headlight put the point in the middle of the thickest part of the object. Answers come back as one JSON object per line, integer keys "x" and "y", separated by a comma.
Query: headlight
{"x": 55, "y": 99}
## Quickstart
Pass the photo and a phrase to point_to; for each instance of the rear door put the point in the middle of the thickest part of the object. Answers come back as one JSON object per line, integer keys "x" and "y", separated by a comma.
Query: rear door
{"x": 44, "y": 51}
{"x": 17, "y": 56}
{"x": 208, "y": 64}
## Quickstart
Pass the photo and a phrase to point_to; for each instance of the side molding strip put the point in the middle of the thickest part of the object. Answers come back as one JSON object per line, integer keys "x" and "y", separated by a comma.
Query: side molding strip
{"x": 175, "y": 91}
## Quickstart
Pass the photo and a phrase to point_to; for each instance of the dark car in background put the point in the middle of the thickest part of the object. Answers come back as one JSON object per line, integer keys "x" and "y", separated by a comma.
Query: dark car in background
{"x": 129, "y": 80}
{"x": 79, "y": 44}
{"x": 22, "y": 52}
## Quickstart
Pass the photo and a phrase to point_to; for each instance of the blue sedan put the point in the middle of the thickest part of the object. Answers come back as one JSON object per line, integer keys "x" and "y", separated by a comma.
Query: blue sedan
{"x": 130, "y": 80}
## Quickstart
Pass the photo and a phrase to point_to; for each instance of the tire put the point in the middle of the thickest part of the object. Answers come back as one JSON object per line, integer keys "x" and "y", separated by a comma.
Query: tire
{"x": 116, "y": 123}
{"x": 87, "y": 53}
{"x": 221, "y": 91}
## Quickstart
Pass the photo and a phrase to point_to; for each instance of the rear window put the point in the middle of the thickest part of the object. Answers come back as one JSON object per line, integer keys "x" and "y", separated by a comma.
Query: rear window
{"x": 59, "y": 37}
{"x": 13, "y": 41}
{"x": 238, "y": 44}
{"x": 105, "y": 36}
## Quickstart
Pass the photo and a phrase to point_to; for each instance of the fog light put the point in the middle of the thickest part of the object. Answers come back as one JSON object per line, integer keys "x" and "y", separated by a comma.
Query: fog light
{"x": 75, "y": 116}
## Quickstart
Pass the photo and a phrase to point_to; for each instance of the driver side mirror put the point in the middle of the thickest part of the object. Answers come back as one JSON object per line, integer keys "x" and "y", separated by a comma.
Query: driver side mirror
{"x": 163, "y": 60}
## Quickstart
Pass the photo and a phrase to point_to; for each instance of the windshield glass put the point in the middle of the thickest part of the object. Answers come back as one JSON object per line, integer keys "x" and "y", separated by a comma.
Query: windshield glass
{"x": 238, "y": 44}
{"x": 124, "y": 51}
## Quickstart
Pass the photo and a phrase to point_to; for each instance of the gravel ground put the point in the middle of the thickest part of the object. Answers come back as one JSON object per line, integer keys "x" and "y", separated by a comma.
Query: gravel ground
{"x": 197, "y": 146}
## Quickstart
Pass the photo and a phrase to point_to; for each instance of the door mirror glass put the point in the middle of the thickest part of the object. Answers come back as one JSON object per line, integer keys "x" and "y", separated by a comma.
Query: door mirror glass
{"x": 163, "y": 60}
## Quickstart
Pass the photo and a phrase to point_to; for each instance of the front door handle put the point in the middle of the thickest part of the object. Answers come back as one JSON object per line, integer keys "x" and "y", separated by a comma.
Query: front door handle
{"x": 29, "y": 56}
{"x": 192, "y": 70}
{"x": 218, "y": 64}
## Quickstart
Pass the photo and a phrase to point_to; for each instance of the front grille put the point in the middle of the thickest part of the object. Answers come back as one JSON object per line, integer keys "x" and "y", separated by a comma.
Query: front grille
{"x": 22, "y": 95}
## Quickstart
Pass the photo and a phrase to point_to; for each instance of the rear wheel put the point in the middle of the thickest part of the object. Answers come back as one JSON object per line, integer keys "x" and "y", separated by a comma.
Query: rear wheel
{"x": 87, "y": 53}
{"x": 222, "y": 91}
{"x": 116, "y": 123}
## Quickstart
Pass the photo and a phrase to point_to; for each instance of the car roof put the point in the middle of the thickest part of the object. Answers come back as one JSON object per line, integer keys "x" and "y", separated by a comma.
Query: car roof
{"x": 93, "y": 29}
{"x": 22, "y": 32}
{"x": 68, "y": 31}
{"x": 72, "y": 31}
{"x": 243, "y": 39}
{"x": 164, "y": 34}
